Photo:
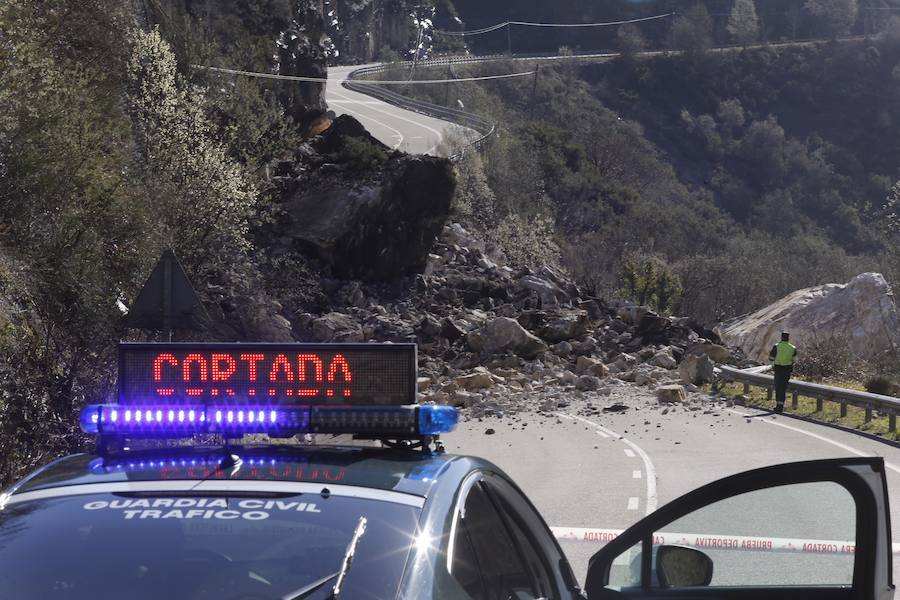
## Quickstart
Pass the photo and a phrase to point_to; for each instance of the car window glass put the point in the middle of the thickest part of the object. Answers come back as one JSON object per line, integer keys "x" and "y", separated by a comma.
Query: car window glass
{"x": 527, "y": 544}
{"x": 482, "y": 532}
{"x": 801, "y": 534}
{"x": 625, "y": 571}
{"x": 110, "y": 547}
{"x": 464, "y": 566}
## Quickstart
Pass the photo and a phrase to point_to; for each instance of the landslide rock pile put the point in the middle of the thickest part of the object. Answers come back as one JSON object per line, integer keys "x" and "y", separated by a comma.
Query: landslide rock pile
{"x": 861, "y": 313}
{"x": 492, "y": 338}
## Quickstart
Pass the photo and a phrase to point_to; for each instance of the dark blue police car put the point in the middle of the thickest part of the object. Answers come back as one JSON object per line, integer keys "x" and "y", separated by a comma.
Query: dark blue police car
{"x": 284, "y": 520}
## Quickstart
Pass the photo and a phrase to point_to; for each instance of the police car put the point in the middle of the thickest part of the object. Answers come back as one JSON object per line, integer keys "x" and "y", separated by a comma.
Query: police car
{"x": 258, "y": 515}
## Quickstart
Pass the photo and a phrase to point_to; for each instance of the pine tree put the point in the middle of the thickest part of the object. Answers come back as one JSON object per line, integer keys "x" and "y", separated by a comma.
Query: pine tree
{"x": 743, "y": 24}
{"x": 837, "y": 16}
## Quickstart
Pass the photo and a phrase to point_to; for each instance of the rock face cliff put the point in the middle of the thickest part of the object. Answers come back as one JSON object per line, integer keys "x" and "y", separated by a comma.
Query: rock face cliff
{"x": 861, "y": 312}
{"x": 360, "y": 29}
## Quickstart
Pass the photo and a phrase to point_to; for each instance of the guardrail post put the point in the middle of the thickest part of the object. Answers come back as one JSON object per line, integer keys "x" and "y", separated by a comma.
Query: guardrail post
{"x": 843, "y": 409}
{"x": 818, "y": 405}
{"x": 892, "y": 422}
{"x": 794, "y": 401}
{"x": 868, "y": 414}
{"x": 746, "y": 388}
{"x": 768, "y": 393}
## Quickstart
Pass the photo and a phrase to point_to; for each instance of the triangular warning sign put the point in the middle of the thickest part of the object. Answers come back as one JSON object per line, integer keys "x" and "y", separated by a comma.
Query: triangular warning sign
{"x": 167, "y": 301}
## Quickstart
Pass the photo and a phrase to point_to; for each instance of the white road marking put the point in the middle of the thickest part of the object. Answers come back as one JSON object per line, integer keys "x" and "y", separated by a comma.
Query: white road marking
{"x": 636, "y": 474}
{"x": 353, "y": 101}
{"x": 850, "y": 449}
{"x": 652, "y": 498}
{"x": 601, "y": 434}
{"x": 440, "y": 135}
{"x": 633, "y": 503}
{"x": 365, "y": 117}
{"x": 629, "y": 453}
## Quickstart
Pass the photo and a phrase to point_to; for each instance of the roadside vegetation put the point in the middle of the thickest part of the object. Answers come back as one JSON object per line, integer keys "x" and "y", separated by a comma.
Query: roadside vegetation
{"x": 828, "y": 362}
{"x": 741, "y": 174}
{"x": 806, "y": 407}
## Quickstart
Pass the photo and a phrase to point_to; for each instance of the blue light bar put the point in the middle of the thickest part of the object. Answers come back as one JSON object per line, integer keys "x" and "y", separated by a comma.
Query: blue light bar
{"x": 177, "y": 420}
{"x": 434, "y": 420}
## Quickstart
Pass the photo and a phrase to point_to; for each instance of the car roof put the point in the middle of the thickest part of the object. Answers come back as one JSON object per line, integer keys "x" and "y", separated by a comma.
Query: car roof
{"x": 401, "y": 470}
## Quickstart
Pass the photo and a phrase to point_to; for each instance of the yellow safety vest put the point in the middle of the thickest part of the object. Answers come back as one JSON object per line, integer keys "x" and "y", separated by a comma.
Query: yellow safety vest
{"x": 784, "y": 354}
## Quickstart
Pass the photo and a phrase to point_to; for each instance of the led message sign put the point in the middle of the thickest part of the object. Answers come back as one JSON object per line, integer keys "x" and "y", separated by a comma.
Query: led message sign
{"x": 269, "y": 374}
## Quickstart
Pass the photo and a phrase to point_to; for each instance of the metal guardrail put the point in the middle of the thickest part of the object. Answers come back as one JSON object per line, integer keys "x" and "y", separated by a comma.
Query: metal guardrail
{"x": 869, "y": 402}
{"x": 482, "y": 126}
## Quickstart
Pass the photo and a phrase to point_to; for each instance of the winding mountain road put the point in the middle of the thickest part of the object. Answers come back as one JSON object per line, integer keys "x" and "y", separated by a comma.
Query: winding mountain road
{"x": 397, "y": 128}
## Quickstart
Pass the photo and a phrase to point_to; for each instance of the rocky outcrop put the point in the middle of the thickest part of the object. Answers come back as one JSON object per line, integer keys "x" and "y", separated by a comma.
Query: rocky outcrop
{"x": 301, "y": 50}
{"x": 368, "y": 212}
{"x": 505, "y": 334}
{"x": 360, "y": 29}
{"x": 861, "y": 312}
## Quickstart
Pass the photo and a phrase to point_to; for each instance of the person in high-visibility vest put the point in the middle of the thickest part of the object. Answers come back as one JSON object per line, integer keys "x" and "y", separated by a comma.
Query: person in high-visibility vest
{"x": 782, "y": 355}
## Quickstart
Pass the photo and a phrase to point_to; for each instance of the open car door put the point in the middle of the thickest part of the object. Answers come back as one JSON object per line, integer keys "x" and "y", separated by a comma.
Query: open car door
{"x": 817, "y": 529}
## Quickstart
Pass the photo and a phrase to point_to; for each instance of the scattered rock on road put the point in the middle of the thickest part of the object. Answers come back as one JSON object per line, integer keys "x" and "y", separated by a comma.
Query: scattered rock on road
{"x": 587, "y": 383}
{"x": 671, "y": 394}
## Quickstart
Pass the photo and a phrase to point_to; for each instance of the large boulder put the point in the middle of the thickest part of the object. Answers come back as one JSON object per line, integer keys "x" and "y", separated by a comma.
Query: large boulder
{"x": 549, "y": 293}
{"x": 696, "y": 369}
{"x": 337, "y": 327}
{"x": 568, "y": 326}
{"x": 503, "y": 334}
{"x": 370, "y": 213}
{"x": 861, "y": 312}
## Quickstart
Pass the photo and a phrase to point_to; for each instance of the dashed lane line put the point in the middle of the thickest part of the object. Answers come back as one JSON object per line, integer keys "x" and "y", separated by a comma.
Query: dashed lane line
{"x": 633, "y": 503}
{"x": 636, "y": 474}
{"x": 652, "y": 498}
{"x": 629, "y": 453}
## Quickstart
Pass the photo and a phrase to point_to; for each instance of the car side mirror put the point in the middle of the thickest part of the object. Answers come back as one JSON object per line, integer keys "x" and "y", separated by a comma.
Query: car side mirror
{"x": 677, "y": 566}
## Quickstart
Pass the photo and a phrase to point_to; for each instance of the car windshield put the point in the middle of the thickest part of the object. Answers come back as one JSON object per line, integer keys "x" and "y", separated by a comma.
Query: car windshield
{"x": 116, "y": 546}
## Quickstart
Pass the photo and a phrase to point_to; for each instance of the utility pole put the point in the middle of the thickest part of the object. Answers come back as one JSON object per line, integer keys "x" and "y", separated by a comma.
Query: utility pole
{"x": 537, "y": 69}
{"x": 447, "y": 85}
{"x": 420, "y": 11}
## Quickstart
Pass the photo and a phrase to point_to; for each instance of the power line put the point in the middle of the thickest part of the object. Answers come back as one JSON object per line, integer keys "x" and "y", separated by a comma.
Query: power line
{"x": 366, "y": 81}
{"x": 491, "y": 28}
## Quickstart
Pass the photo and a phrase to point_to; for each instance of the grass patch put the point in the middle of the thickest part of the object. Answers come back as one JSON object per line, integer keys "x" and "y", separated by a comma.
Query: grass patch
{"x": 830, "y": 413}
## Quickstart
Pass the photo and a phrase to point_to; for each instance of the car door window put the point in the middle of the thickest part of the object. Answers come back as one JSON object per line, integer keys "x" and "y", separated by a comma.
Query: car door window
{"x": 482, "y": 541}
{"x": 517, "y": 520}
{"x": 802, "y": 534}
{"x": 789, "y": 535}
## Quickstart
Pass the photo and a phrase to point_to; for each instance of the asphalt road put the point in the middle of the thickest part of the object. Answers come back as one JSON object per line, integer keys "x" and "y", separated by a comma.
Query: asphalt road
{"x": 608, "y": 471}
{"x": 397, "y": 128}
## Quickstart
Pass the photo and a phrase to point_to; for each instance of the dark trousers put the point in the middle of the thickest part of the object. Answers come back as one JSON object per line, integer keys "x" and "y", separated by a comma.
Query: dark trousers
{"x": 782, "y": 376}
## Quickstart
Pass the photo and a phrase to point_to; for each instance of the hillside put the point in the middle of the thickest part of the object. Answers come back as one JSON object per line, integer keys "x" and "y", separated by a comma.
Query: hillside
{"x": 700, "y": 184}
{"x": 740, "y": 175}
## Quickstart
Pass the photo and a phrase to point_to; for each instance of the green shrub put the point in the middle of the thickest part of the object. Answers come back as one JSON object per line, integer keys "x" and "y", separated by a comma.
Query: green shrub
{"x": 361, "y": 154}
{"x": 881, "y": 384}
{"x": 828, "y": 358}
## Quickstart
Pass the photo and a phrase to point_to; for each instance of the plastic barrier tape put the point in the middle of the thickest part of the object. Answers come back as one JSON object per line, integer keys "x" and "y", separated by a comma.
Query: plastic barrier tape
{"x": 718, "y": 542}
